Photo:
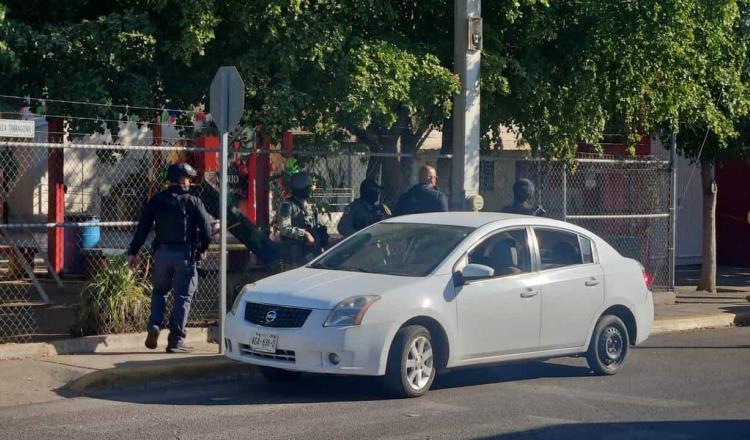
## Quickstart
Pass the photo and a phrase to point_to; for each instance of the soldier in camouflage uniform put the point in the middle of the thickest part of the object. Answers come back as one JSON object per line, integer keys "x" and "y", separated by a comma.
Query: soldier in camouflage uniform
{"x": 302, "y": 236}
{"x": 365, "y": 210}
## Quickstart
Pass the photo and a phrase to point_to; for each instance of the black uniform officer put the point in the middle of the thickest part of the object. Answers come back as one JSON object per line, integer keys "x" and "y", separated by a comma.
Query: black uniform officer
{"x": 424, "y": 196}
{"x": 523, "y": 192}
{"x": 183, "y": 233}
{"x": 365, "y": 210}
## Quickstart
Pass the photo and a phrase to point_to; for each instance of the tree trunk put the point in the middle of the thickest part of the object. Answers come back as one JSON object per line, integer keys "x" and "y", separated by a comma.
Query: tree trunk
{"x": 707, "y": 280}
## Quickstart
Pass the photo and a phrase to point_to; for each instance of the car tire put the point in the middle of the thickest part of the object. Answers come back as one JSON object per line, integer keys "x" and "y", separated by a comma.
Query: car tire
{"x": 411, "y": 365}
{"x": 277, "y": 375}
{"x": 609, "y": 346}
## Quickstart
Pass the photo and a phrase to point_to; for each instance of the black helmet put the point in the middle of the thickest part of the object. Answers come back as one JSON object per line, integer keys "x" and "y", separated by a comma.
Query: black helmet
{"x": 301, "y": 180}
{"x": 523, "y": 190}
{"x": 369, "y": 184}
{"x": 177, "y": 171}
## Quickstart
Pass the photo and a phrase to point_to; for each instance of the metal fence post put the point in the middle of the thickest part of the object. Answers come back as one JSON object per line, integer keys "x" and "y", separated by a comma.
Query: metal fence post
{"x": 673, "y": 211}
{"x": 565, "y": 192}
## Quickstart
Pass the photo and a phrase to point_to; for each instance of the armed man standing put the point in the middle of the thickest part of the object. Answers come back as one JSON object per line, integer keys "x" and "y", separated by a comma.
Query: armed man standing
{"x": 183, "y": 233}
{"x": 302, "y": 235}
{"x": 365, "y": 210}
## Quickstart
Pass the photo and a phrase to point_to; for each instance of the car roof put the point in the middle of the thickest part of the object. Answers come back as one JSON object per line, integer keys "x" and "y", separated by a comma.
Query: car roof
{"x": 473, "y": 219}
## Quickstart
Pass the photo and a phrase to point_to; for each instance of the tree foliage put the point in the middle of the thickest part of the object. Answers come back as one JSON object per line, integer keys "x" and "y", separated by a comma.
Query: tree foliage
{"x": 573, "y": 69}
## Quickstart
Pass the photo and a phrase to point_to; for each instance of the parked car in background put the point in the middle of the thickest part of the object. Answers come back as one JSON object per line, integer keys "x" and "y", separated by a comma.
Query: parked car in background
{"x": 413, "y": 295}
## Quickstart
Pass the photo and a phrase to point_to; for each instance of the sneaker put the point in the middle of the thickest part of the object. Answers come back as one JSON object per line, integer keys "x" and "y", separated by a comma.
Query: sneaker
{"x": 153, "y": 337}
{"x": 179, "y": 348}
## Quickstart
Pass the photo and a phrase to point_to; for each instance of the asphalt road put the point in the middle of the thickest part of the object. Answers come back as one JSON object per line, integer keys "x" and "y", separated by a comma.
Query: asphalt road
{"x": 677, "y": 386}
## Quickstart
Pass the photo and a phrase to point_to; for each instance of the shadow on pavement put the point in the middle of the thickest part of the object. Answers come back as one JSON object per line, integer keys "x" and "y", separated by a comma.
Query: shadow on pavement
{"x": 312, "y": 388}
{"x": 692, "y": 347}
{"x": 692, "y": 429}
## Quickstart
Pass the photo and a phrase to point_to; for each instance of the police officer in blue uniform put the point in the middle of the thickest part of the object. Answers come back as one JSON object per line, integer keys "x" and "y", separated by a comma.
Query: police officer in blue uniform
{"x": 424, "y": 196}
{"x": 182, "y": 236}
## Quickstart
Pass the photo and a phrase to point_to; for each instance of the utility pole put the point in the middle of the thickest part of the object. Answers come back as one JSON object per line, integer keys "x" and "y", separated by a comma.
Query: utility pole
{"x": 467, "y": 58}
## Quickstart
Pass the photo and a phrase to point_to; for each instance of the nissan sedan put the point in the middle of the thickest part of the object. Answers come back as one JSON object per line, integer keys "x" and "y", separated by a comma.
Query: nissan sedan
{"x": 412, "y": 296}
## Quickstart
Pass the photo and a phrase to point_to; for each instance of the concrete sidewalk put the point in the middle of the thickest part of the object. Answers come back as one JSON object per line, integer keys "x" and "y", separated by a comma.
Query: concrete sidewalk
{"x": 107, "y": 363}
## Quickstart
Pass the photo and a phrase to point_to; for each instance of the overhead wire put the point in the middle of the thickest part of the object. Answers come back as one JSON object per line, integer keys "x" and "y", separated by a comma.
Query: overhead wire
{"x": 65, "y": 101}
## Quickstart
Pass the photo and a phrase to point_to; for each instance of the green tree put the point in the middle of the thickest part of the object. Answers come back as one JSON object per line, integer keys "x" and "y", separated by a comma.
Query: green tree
{"x": 566, "y": 71}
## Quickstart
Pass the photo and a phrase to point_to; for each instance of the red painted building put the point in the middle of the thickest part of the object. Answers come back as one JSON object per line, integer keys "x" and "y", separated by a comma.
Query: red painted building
{"x": 733, "y": 213}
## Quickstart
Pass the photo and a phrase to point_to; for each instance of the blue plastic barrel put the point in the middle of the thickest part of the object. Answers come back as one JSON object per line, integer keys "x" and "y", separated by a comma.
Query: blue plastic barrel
{"x": 90, "y": 233}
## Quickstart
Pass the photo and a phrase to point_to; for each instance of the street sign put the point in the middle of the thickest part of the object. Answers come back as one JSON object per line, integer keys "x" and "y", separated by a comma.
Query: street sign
{"x": 227, "y": 98}
{"x": 17, "y": 129}
{"x": 227, "y": 105}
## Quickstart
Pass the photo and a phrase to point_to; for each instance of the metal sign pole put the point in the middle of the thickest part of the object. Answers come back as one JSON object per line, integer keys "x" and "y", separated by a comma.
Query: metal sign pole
{"x": 223, "y": 237}
{"x": 227, "y": 106}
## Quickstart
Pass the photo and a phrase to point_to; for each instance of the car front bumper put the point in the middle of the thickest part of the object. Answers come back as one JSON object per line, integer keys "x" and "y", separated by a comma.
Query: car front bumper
{"x": 360, "y": 349}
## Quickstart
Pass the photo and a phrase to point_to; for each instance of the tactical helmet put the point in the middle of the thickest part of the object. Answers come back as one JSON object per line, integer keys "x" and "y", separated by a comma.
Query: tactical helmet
{"x": 301, "y": 180}
{"x": 523, "y": 190}
{"x": 369, "y": 184}
{"x": 177, "y": 171}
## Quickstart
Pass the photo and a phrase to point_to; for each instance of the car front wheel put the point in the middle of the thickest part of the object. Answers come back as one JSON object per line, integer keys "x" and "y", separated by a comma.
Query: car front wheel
{"x": 411, "y": 363}
{"x": 609, "y": 345}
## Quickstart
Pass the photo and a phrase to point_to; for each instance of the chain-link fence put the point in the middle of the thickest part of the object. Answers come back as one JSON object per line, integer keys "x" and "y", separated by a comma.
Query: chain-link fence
{"x": 626, "y": 202}
{"x": 69, "y": 213}
{"x": 339, "y": 174}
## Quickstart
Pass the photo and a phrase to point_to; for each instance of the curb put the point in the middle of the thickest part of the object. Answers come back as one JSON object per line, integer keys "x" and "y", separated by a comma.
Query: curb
{"x": 699, "y": 322}
{"x": 207, "y": 367}
{"x": 92, "y": 344}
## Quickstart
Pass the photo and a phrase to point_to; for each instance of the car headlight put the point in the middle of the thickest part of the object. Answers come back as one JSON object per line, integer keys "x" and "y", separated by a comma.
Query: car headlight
{"x": 350, "y": 311}
{"x": 238, "y": 299}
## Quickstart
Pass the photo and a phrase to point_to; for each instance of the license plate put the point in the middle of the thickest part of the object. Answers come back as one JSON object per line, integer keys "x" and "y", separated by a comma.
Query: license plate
{"x": 263, "y": 342}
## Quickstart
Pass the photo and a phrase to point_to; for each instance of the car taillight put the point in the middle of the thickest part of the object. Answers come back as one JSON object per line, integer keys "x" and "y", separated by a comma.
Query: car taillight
{"x": 648, "y": 279}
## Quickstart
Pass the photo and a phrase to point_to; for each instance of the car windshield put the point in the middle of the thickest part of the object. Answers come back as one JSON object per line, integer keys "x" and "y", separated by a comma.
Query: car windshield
{"x": 406, "y": 249}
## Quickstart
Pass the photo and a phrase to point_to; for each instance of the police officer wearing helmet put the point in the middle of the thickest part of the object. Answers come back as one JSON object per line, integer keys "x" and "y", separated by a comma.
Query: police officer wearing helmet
{"x": 365, "y": 210}
{"x": 523, "y": 192}
{"x": 182, "y": 235}
{"x": 302, "y": 236}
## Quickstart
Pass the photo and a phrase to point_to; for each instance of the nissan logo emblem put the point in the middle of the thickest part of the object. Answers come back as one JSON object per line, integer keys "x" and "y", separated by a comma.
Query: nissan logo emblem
{"x": 271, "y": 316}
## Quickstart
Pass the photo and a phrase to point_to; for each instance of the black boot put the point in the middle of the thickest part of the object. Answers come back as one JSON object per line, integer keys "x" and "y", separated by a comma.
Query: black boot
{"x": 153, "y": 337}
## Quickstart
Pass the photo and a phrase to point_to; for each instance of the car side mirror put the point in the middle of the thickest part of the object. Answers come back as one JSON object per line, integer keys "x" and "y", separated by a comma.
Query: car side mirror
{"x": 472, "y": 272}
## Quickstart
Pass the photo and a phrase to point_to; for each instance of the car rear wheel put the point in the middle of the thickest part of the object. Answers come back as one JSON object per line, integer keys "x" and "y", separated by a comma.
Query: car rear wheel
{"x": 609, "y": 345}
{"x": 411, "y": 363}
{"x": 276, "y": 375}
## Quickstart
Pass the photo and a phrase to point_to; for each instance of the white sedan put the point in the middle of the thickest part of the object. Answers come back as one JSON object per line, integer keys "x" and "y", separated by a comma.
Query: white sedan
{"x": 414, "y": 295}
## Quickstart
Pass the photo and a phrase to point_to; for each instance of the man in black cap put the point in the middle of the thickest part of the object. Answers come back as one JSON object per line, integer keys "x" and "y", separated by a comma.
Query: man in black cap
{"x": 365, "y": 210}
{"x": 424, "y": 196}
{"x": 523, "y": 192}
{"x": 183, "y": 233}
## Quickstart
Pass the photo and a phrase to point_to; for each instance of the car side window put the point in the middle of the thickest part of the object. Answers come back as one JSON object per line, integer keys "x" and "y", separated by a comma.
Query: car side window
{"x": 586, "y": 253}
{"x": 506, "y": 252}
{"x": 559, "y": 248}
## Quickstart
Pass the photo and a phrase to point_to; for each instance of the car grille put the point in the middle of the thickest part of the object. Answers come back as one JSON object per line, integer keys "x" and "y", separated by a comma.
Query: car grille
{"x": 280, "y": 355}
{"x": 284, "y": 317}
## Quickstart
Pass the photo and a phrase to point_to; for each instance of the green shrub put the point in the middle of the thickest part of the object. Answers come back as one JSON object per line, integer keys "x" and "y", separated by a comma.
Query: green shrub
{"x": 114, "y": 301}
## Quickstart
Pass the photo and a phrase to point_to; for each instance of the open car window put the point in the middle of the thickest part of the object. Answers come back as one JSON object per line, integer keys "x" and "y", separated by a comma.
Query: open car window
{"x": 506, "y": 252}
{"x": 407, "y": 249}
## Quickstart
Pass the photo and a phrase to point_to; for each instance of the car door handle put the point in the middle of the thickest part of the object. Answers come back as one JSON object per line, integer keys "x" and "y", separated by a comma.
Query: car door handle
{"x": 529, "y": 293}
{"x": 592, "y": 283}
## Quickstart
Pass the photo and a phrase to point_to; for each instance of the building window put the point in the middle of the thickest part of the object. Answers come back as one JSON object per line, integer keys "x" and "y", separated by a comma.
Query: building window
{"x": 487, "y": 175}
